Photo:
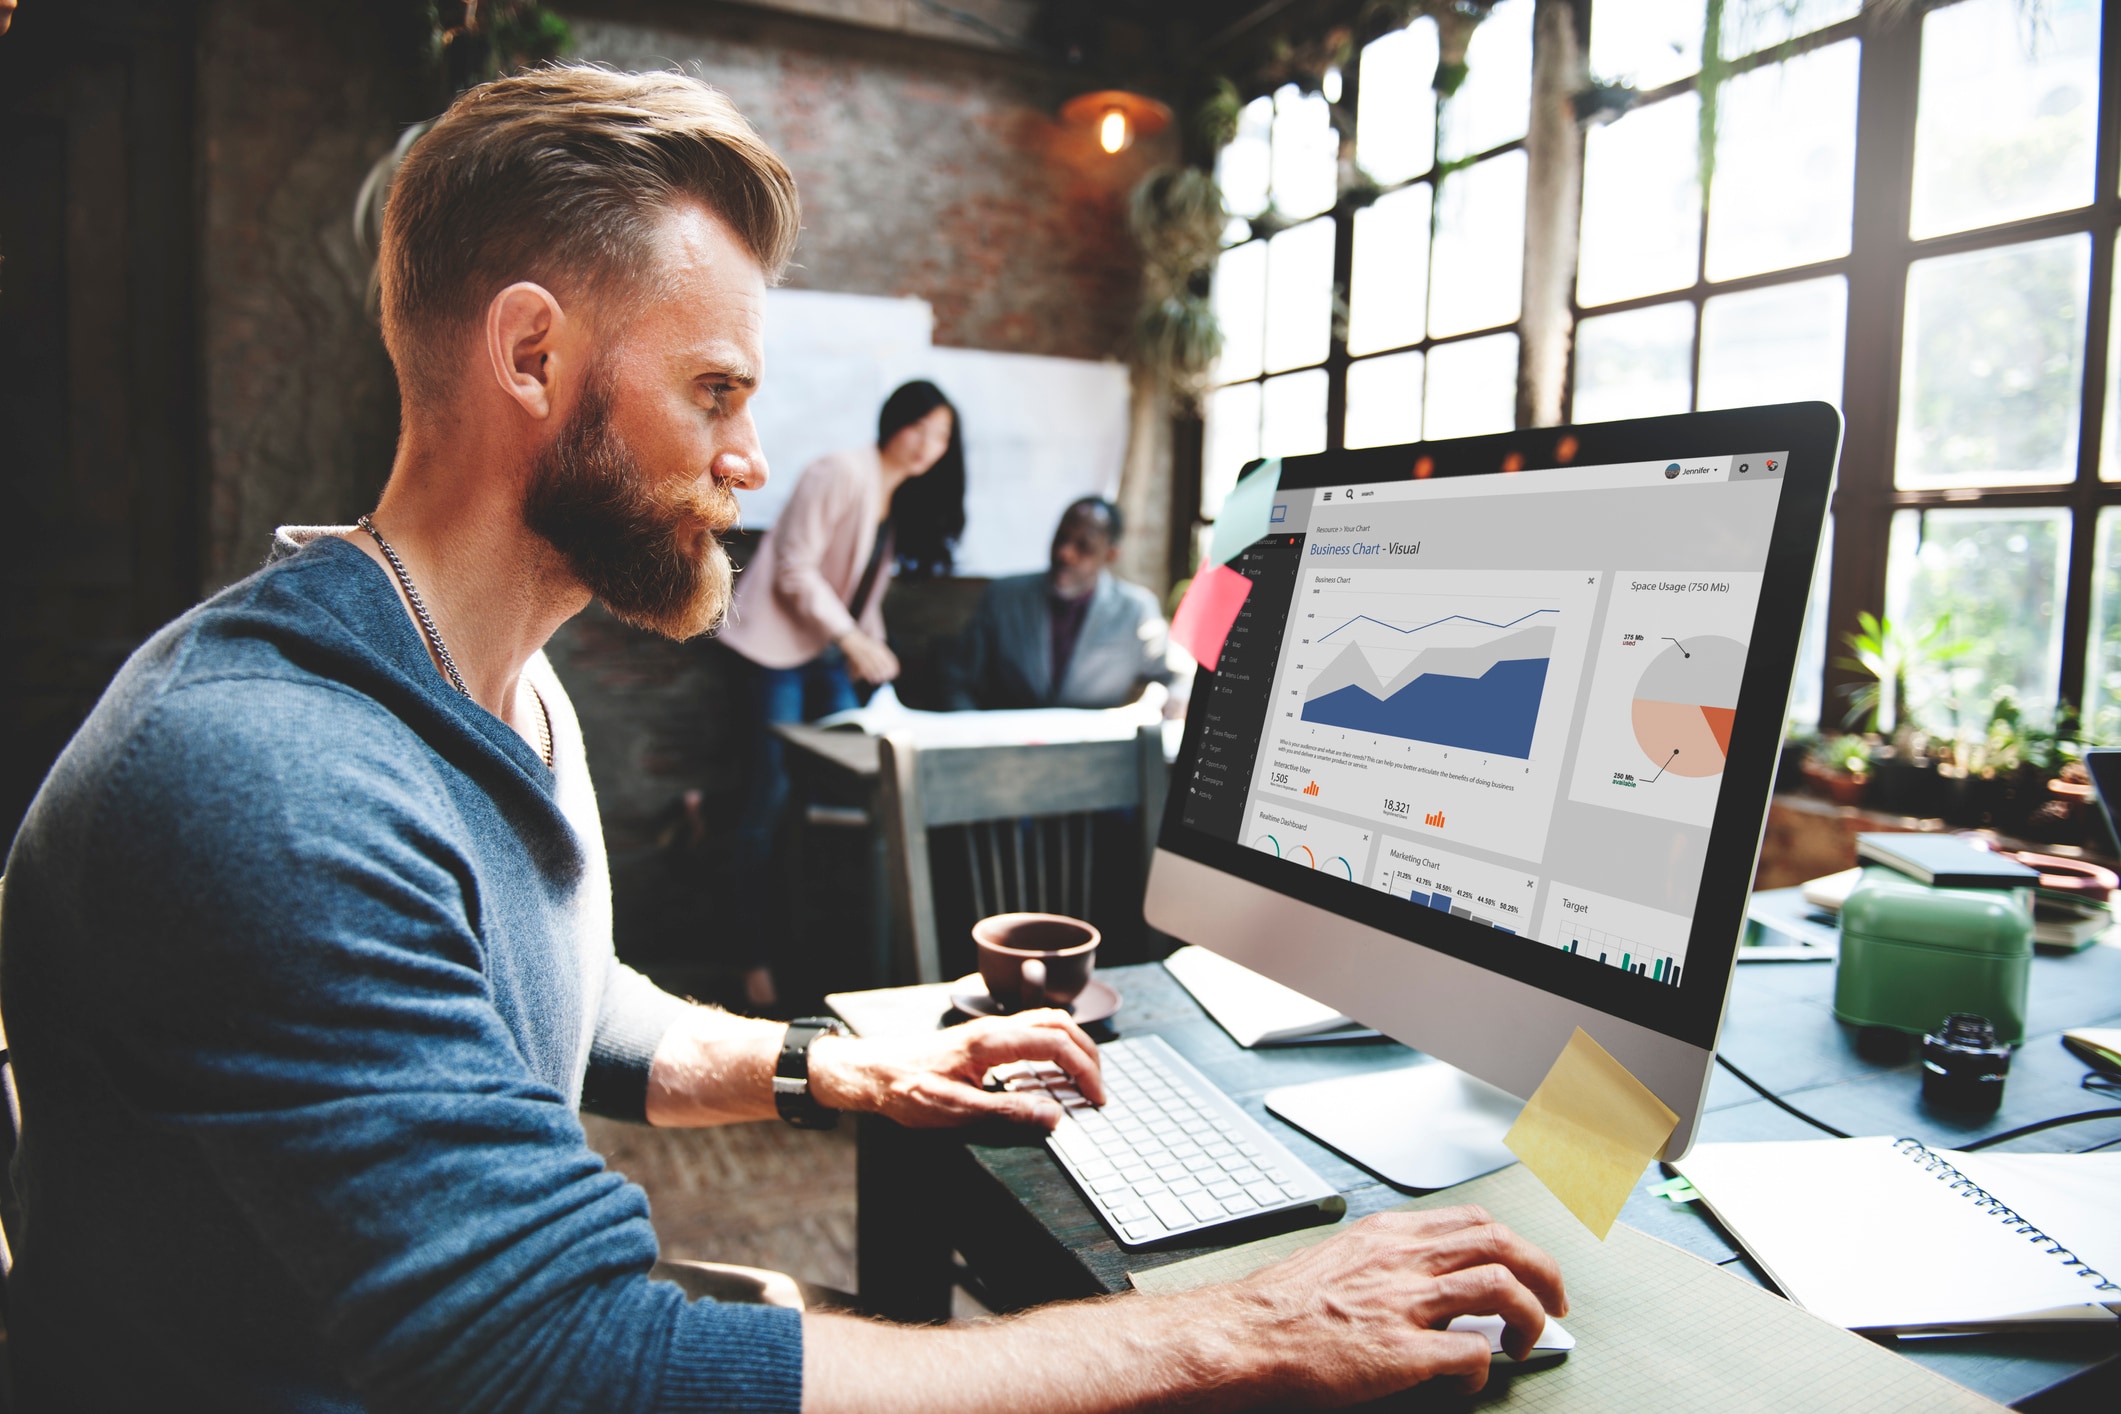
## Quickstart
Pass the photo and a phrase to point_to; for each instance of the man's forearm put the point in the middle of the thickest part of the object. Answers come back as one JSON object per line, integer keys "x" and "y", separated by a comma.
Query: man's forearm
{"x": 1200, "y": 1351}
{"x": 714, "y": 1068}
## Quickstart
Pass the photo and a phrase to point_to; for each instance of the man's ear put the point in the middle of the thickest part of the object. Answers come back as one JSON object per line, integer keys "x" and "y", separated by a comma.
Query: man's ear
{"x": 525, "y": 328}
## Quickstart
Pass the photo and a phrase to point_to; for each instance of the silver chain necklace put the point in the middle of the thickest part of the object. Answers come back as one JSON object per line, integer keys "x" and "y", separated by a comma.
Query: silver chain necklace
{"x": 441, "y": 649}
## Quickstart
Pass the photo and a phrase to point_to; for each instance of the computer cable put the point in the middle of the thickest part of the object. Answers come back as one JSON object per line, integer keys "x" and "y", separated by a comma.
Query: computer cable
{"x": 1777, "y": 1101}
{"x": 2021, "y": 1131}
{"x": 1992, "y": 1140}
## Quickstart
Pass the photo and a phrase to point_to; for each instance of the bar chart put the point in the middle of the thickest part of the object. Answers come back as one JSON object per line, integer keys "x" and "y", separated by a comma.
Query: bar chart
{"x": 1633, "y": 937}
{"x": 1496, "y": 895}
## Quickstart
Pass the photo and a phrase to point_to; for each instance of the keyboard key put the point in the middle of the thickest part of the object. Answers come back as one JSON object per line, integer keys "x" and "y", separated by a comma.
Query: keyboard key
{"x": 1242, "y": 1172}
{"x": 1149, "y": 1188}
{"x": 1278, "y": 1175}
{"x": 1221, "y": 1151}
{"x": 1224, "y": 1189}
{"x": 1239, "y": 1204}
{"x": 1171, "y": 1173}
{"x": 1171, "y": 1212}
{"x": 1250, "y": 1151}
{"x": 1135, "y": 1173}
{"x": 1264, "y": 1193}
{"x": 1201, "y": 1206}
{"x": 1130, "y": 1212}
{"x": 1111, "y": 1183}
{"x": 1293, "y": 1190}
{"x": 1184, "y": 1186}
{"x": 1200, "y": 1163}
{"x": 1143, "y": 1232}
{"x": 1095, "y": 1169}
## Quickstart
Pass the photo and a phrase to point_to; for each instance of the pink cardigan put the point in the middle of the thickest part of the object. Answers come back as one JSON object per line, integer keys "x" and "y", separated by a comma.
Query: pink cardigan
{"x": 792, "y": 600}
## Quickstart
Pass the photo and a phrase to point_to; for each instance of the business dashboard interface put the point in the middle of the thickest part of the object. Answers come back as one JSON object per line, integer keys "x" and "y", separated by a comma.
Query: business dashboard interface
{"x": 1506, "y": 697}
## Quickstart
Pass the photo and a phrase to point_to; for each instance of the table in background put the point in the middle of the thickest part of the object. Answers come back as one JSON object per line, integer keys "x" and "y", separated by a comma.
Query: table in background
{"x": 1027, "y": 1236}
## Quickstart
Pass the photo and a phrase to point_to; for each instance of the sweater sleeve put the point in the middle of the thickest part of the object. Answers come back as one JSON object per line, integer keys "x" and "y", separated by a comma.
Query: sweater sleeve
{"x": 819, "y": 512}
{"x": 294, "y": 983}
{"x": 631, "y": 1022}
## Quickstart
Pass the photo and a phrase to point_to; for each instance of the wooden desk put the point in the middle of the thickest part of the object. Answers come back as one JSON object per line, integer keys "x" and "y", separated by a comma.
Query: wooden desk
{"x": 1027, "y": 1236}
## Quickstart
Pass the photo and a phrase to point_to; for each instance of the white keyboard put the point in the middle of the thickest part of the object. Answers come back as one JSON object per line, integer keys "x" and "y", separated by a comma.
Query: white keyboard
{"x": 1169, "y": 1153}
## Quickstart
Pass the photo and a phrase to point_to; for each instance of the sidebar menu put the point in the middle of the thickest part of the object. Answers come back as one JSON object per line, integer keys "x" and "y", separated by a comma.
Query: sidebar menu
{"x": 1235, "y": 707}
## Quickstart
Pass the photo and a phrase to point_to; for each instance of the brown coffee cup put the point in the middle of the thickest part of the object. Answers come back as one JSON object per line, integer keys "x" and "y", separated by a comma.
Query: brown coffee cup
{"x": 1035, "y": 959}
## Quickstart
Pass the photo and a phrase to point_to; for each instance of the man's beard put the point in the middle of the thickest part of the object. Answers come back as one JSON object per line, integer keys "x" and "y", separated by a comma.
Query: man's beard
{"x": 652, "y": 558}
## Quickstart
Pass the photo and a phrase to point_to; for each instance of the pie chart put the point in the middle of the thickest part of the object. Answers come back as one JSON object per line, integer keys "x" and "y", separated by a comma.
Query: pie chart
{"x": 1685, "y": 703}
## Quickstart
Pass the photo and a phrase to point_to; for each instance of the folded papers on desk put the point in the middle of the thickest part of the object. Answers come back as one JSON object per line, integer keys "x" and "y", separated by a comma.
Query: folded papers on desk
{"x": 1256, "y": 1010}
{"x": 1884, "y": 1234}
{"x": 1655, "y": 1327}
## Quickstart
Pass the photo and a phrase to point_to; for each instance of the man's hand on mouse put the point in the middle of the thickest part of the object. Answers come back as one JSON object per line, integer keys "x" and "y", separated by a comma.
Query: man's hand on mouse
{"x": 933, "y": 1081}
{"x": 1361, "y": 1315}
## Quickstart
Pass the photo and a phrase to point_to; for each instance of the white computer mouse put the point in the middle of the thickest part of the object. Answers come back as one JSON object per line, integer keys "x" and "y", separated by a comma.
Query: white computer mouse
{"x": 1553, "y": 1342}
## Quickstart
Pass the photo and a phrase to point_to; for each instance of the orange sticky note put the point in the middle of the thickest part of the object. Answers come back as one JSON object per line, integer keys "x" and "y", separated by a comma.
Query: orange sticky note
{"x": 1589, "y": 1131}
{"x": 1204, "y": 616}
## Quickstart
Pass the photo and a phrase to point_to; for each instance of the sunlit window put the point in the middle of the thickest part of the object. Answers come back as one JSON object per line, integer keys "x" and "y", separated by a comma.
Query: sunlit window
{"x": 1641, "y": 204}
{"x": 1776, "y": 344}
{"x": 1992, "y": 365}
{"x": 1976, "y": 596}
{"x": 1494, "y": 104}
{"x": 1636, "y": 364}
{"x": 1472, "y": 387}
{"x": 2009, "y": 112}
{"x": 1306, "y": 153}
{"x": 1396, "y": 132}
{"x": 1646, "y": 43}
{"x": 1784, "y": 191}
{"x": 1479, "y": 261}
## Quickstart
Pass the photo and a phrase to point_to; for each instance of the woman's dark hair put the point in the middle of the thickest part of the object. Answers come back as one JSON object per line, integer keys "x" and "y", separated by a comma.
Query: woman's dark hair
{"x": 927, "y": 511}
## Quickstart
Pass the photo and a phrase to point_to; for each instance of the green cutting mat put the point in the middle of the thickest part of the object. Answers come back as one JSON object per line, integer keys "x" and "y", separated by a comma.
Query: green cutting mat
{"x": 1655, "y": 1327}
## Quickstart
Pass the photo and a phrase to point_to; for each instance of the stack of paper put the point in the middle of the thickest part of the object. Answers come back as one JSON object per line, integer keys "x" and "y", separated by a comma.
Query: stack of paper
{"x": 1256, "y": 1010}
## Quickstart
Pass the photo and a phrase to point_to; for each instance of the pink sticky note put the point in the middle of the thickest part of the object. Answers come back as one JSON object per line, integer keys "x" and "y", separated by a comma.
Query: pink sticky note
{"x": 1204, "y": 616}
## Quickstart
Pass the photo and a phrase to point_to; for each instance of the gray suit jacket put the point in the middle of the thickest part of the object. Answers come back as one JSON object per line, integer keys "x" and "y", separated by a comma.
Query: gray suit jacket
{"x": 1005, "y": 656}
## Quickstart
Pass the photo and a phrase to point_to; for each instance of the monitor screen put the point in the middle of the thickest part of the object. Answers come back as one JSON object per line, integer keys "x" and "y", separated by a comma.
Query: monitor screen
{"x": 1492, "y": 712}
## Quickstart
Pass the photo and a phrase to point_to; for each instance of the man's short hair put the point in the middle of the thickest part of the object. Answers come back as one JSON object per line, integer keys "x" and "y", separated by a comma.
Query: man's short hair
{"x": 1097, "y": 506}
{"x": 561, "y": 176}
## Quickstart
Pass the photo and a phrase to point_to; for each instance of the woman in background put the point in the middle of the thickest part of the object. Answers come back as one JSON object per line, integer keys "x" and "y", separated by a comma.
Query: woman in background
{"x": 809, "y": 618}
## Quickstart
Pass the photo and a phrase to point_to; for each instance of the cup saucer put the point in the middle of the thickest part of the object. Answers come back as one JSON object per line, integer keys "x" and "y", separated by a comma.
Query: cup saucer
{"x": 1097, "y": 1002}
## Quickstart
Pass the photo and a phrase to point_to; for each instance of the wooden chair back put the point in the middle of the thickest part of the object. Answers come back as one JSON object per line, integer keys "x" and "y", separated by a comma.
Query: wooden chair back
{"x": 1024, "y": 816}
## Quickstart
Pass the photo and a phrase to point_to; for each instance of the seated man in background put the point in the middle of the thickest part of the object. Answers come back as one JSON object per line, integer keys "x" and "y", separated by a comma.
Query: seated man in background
{"x": 1074, "y": 636}
{"x": 309, "y": 962}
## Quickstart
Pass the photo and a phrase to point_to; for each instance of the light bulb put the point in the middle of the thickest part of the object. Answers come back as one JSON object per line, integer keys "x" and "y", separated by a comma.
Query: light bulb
{"x": 1112, "y": 130}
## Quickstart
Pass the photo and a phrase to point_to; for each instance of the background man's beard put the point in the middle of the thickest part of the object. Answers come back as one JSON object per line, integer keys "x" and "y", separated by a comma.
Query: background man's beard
{"x": 653, "y": 560}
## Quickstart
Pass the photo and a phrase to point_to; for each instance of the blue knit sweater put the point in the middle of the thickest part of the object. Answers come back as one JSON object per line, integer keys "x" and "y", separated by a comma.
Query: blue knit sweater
{"x": 299, "y": 1016}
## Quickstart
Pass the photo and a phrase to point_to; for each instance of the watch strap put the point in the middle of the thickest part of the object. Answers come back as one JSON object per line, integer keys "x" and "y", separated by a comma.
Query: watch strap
{"x": 791, "y": 1076}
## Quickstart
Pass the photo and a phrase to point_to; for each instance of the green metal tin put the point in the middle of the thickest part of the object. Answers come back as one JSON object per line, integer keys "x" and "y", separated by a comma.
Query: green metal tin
{"x": 1911, "y": 954}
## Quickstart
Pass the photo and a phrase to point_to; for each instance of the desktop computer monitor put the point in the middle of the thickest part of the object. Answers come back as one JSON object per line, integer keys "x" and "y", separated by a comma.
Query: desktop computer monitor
{"x": 1487, "y": 756}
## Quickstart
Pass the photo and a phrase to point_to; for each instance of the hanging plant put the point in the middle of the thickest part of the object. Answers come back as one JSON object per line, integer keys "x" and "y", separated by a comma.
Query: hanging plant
{"x": 1177, "y": 217}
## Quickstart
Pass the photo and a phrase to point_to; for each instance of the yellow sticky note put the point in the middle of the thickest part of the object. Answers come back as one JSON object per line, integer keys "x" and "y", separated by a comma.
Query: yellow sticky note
{"x": 1588, "y": 1132}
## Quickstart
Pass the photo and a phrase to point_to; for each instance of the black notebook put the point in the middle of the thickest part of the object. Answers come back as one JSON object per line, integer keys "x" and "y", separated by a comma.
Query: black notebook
{"x": 1945, "y": 862}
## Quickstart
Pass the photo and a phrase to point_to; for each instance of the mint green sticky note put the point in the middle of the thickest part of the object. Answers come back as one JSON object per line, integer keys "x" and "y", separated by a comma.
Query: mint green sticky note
{"x": 1679, "y": 1190}
{"x": 1248, "y": 512}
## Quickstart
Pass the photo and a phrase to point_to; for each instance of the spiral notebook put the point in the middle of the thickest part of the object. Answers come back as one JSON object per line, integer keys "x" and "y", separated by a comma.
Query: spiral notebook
{"x": 1886, "y": 1234}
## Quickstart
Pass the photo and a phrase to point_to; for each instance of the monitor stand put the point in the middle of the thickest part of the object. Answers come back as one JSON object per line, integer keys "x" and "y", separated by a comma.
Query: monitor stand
{"x": 1426, "y": 1126}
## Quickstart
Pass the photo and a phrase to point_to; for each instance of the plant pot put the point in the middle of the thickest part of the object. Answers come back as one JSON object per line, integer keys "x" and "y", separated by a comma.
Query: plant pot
{"x": 1907, "y": 787}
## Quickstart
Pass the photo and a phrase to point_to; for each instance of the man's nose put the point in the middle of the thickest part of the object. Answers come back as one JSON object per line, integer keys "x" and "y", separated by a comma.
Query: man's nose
{"x": 741, "y": 463}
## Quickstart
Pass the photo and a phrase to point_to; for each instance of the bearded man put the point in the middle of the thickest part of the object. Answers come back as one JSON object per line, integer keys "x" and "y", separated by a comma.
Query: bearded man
{"x": 308, "y": 935}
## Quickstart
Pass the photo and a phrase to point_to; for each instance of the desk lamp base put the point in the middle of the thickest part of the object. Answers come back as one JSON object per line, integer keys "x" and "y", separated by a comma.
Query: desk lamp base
{"x": 1428, "y": 1126}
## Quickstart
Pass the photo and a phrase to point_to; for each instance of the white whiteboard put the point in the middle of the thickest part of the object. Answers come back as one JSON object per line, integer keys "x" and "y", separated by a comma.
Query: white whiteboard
{"x": 1039, "y": 432}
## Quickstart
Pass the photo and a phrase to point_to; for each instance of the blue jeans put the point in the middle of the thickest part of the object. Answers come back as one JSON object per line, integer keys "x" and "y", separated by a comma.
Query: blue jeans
{"x": 816, "y": 689}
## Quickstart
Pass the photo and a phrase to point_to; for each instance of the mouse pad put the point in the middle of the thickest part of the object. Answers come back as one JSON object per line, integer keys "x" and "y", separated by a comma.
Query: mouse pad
{"x": 1655, "y": 1327}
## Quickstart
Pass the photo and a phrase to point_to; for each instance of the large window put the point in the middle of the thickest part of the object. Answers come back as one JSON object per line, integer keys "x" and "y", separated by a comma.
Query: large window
{"x": 1388, "y": 318}
{"x": 1910, "y": 213}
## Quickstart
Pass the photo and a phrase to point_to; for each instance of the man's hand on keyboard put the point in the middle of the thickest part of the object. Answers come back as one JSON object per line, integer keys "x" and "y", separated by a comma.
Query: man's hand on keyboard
{"x": 933, "y": 1081}
{"x": 1359, "y": 1316}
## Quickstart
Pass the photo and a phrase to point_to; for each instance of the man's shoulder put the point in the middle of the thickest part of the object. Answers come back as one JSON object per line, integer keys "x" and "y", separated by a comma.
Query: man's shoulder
{"x": 1140, "y": 603}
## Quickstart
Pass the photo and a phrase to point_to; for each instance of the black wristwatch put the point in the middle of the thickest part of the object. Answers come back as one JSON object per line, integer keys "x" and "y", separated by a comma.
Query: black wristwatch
{"x": 791, "y": 1078}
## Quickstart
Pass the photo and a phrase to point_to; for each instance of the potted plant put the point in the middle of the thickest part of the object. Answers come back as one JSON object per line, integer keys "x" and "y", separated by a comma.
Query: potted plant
{"x": 1906, "y": 779}
{"x": 1839, "y": 768}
